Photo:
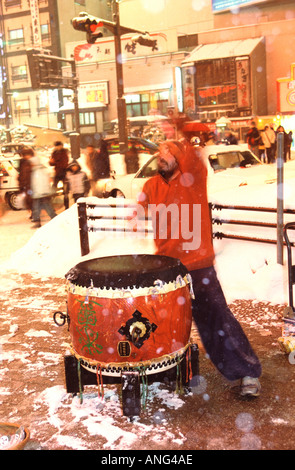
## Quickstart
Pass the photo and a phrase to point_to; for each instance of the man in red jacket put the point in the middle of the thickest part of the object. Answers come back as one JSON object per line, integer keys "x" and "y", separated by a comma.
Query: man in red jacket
{"x": 180, "y": 189}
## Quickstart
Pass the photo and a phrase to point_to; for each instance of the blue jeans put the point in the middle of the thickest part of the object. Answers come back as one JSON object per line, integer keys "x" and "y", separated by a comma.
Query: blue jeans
{"x": 220, "y": 332}
{"x": 42, "y": 203}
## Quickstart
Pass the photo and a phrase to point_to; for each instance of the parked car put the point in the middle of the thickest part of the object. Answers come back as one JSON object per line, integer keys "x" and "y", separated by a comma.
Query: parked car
{"x": 11, "y": 148}
{"x": 233, "y": 163}
{"x": 9, "y": 186}
{"x": 223, "y": 157}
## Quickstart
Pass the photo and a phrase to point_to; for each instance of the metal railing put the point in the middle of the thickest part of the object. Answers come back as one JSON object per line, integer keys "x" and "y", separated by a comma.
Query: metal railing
{"x": 251, "y": 223}
{"x": 113, "y": 216}
{"x": 116, "y": 214}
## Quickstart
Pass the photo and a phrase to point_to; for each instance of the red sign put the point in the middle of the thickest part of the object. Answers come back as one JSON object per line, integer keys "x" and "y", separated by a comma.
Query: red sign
{"x": 216, "y": 91}
{"x": 243, "y": 83}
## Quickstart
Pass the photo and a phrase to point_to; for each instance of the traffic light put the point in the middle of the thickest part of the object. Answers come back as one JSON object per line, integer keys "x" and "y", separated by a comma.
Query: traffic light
{"x": 46, "y": 70}
{"x": 88, "y": 24}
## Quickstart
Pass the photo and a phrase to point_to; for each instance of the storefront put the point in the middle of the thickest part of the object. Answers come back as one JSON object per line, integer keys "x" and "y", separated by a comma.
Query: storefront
{"x": 226, "y": 79}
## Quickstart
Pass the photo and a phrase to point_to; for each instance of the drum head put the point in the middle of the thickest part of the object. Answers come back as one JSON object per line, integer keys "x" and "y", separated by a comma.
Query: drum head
{"x": 126, "y": 271}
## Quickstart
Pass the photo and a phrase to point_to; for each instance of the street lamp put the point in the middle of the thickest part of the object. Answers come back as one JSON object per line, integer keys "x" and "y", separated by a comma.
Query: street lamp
{"x": 89, "y": 24}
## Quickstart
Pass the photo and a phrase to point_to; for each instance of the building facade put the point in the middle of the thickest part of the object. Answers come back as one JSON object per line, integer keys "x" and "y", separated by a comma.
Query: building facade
{"x": 43, "y": 24}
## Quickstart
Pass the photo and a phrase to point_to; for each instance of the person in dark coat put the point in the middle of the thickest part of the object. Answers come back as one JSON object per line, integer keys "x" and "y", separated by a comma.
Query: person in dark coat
{"x": 98, "y": 163}
{"x": 253, "y": 138}
{"x": 103, "y": 164}
{"x": 132, "y": 160}
{"x": 24, "y": 178}
{"x": 285, "y": 141}
{"x": 60, "y": 160}
{"x": 230, "y": 139}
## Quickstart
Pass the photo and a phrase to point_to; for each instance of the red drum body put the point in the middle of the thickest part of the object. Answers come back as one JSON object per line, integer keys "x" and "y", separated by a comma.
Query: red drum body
{"x": 129, "y": 312}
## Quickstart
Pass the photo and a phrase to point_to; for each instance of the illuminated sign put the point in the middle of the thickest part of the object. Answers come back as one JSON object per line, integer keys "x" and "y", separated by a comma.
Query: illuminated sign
{"x": 286, "y": 92}
{"x": 243, "y": 82}
{"x": 178, "y": 84}
{"x": 188, "y": 83}
{"x": 221, "y": 5}
{"x": 93, "y": 93}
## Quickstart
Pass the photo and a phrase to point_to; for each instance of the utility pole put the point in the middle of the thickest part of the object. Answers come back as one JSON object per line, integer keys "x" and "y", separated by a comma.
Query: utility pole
{"x": 121, "y": 104}
{"x": 280, "y": 198}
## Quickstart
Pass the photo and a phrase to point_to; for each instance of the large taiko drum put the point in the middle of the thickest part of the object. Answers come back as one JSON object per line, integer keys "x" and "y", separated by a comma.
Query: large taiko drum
{"x": 129, "y": 311}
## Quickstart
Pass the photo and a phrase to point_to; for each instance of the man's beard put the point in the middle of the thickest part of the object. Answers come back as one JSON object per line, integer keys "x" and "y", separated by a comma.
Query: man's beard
{"x": 166, "y": 173}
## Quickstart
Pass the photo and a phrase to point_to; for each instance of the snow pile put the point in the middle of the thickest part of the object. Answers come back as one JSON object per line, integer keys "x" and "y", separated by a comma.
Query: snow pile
{"x": 55, "y": 247}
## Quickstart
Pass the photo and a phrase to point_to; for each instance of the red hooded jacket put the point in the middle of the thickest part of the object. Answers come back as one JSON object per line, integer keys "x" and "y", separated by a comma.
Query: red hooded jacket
{"x": 180, "y": 210}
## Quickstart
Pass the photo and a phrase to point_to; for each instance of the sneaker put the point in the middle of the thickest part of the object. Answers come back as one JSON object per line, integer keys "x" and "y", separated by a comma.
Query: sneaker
{"x": 250, "y": 387}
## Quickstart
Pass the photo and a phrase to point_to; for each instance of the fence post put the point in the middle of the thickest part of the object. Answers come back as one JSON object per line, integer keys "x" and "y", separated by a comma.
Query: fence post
{"x": 280, "y": 198}
{"x": 83, "y": 229}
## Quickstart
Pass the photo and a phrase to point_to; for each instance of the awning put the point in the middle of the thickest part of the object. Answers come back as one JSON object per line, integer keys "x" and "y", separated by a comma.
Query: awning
{"x": 83, "y": 106}
{"x": 222, "y": 50}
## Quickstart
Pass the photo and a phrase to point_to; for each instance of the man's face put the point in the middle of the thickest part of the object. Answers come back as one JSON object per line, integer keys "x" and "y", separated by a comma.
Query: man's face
{"x": 166, "y": 162}
{"x": 89, "y": 150}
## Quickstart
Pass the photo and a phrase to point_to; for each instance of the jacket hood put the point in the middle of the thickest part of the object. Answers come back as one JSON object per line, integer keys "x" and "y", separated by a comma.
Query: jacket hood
{"x": 35, "y": 161}
{"x": 73, "y": 163}
{"x": 176, "y": 149}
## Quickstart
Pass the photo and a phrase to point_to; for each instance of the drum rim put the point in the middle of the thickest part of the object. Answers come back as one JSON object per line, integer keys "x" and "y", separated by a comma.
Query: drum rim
{"x": 148, "y": 367}
{"x": 166, "y": 269}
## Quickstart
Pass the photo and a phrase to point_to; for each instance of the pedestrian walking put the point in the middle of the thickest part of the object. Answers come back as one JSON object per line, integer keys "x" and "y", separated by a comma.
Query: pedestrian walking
{"x": 261, "y": 149}
{"x": 98, "y": 163}
{"x": 76, "y": 182}
{"x": 24, "y": 178}
{"x": 181, "y": 183}
{"x": 252, "y": 138}
{"x": 272, "y": 133}
{"x": 230, "y": 138}
{"x": 281, "y": 129}
{"x": 289, "y": 144}
{"x": 42, "y": 191}
{"x": 268, "y": 137}
{"x": 132, "y": 160}
{"x": 59, "y": 160}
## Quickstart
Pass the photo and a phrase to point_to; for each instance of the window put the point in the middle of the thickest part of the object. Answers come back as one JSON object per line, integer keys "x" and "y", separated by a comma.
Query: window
{"x": 22, "y": 107}
{"x": 16, "y": 36}
{"x": 13, "y": 3}
{"x": 140, "y": 104}
{"x": 19, "y": 73}
{"x": 87, "y": 119}
{"x": 149, "y": 169}
{"x": 44, "y": 31}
